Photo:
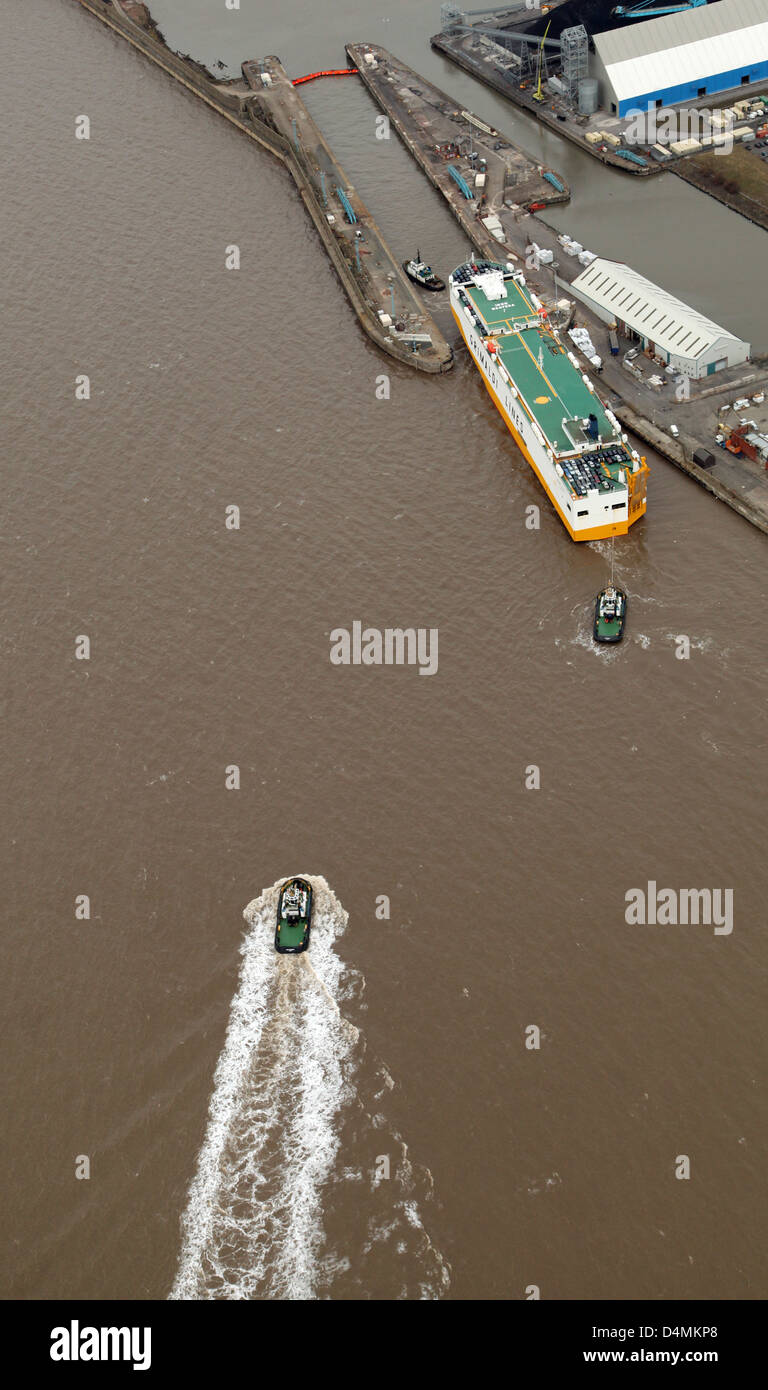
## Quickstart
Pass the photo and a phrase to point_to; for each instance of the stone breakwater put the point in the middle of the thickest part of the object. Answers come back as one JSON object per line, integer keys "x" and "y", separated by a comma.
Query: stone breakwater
{"x": 368, "y": 284}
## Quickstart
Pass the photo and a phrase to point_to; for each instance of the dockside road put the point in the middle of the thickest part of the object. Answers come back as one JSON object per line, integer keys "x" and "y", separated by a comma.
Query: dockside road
{"x": 486, "y": 179}
{"x": 387, "y": 307}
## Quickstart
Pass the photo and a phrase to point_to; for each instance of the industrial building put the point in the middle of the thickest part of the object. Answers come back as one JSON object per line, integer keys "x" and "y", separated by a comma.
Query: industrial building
{"x": 683, "y": 338}
{"x": 682, "y": 57}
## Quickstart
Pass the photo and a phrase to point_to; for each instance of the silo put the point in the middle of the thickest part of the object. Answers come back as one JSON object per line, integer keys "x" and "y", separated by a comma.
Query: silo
{"x": 588, "y": 96}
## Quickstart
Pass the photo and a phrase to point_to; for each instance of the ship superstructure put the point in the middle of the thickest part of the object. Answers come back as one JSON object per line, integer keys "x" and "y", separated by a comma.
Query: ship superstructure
{"x": 594, "y": 479}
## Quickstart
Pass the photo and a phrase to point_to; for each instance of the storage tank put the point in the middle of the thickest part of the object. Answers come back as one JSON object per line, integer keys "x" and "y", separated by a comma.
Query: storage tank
{"x": 588, "y": 96}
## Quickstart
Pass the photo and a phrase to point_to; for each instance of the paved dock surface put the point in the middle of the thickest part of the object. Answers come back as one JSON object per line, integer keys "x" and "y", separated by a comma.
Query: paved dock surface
{"x": 649, "y": 411}
{"x": 469, "y": 52}
{"x": 502, "y": 178}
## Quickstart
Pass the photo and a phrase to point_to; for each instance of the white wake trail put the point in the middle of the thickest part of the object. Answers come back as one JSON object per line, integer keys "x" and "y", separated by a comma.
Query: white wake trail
{"x": 285, "y": 1099}
{"x": 253, "y": 1219}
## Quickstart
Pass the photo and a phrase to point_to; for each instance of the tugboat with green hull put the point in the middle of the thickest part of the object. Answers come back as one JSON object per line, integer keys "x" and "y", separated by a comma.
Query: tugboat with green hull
{"x": 294, "y": 917}
{"x": 422, "y": 274}
{"x": 610, "y": 614}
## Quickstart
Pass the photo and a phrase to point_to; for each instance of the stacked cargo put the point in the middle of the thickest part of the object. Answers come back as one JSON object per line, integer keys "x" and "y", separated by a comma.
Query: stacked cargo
{"x": 581, "y": 338}
{"x": 494, "y": 225}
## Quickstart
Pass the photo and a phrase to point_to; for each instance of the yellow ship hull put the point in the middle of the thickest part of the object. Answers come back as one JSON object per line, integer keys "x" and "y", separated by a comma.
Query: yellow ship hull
{"x": 637, "y": 501}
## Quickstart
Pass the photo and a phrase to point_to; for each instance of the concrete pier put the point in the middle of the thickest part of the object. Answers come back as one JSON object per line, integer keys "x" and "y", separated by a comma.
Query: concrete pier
{"x": 371, "y": 278}
{"x": 504, "y": 179}
{"x": 554, "y": 114}
{"x": 358, "y": 249}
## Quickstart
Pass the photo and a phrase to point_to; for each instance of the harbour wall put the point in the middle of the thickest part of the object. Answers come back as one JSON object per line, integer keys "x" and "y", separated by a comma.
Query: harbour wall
{"x": 451, "y": 49}
{"x": 236, "y": 107}
{"x": 679, "y": 452}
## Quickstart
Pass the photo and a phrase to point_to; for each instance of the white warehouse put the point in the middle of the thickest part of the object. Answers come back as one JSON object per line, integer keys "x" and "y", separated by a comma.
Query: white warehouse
{"x": 685, "y": 339}
{"x": 684, "y": 57}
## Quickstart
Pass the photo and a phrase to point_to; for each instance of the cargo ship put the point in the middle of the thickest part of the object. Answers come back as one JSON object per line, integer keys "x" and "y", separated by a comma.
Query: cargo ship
{"x": 594, "y": 479}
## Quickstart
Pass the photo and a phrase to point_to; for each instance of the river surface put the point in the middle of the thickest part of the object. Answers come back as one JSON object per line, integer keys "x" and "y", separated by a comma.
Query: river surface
{"x": 366, "y": 1121}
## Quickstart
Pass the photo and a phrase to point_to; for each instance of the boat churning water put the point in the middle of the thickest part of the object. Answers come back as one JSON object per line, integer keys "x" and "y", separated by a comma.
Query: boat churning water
{"x": 294, "y": 917}
{"x": 610, "y": 615}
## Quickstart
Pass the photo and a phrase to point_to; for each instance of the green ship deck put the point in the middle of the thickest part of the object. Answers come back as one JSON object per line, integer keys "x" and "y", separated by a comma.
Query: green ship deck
{"x": 554, "y": 391}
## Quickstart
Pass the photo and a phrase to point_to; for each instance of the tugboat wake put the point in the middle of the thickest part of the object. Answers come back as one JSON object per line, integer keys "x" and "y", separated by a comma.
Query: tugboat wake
{"x": 291, "y": 1150}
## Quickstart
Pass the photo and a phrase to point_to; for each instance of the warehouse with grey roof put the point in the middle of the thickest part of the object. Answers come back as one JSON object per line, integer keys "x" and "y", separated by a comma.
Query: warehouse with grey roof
{"x": 686, "y": 340}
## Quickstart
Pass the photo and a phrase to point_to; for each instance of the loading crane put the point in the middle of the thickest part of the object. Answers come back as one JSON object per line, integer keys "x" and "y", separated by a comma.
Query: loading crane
{"x": 538, "y": 94}
{"x": 642, "y": 11}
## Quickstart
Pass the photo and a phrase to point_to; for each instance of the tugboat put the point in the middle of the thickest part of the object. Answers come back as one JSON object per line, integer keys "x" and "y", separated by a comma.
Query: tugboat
{"x": 294, "y": 917}
{"x": 610, "y": 614}
{"x": 422, "y": 274}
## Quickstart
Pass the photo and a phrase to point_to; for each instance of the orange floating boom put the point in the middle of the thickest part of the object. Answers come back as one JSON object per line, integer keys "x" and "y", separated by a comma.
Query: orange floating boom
{"x": 329, "y": 72}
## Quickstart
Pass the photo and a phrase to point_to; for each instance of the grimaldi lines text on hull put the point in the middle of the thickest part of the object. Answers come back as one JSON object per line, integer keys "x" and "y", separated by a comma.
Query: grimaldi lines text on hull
{"x": 596, "y": 482}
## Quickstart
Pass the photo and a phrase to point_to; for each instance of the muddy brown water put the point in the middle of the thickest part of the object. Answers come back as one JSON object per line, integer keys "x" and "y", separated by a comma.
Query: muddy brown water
{"x": 508, "y": 1166}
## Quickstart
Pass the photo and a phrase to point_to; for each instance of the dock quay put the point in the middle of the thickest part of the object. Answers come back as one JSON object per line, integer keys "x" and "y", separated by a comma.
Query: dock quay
{"x": 728, "y": 123}
{"x": 265, "y": 106}
{"x": 486, "y": 180}
{"x": 742, "y": 487}
{"x": 272, "y": 114}
{"x": 650, "y": 413}
{"x": 466, "y": 52}
{"x": 393, "y": 306}
{"x": 426, "y": 119}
